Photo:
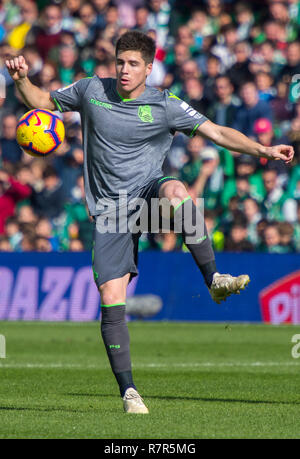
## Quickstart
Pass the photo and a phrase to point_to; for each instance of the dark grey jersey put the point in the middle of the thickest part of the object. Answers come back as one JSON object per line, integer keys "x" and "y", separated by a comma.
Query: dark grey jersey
{"x": 125, "y": 141}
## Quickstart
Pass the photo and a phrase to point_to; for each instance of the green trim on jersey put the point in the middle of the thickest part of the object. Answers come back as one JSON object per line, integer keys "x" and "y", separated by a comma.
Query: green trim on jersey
{"x": 57, "y": 105}
{"x": 172, "y": 96}
{"x": 193, "y": 131}
{"x": 182, "y": 202}
{"x": 111, "y": 305}
{"x": 122, "y": 98}
{"x": 168, "y": 177}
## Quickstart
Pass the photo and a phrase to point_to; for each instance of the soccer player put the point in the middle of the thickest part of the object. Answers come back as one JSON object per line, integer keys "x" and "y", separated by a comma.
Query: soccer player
{"x": 127, "y": 129}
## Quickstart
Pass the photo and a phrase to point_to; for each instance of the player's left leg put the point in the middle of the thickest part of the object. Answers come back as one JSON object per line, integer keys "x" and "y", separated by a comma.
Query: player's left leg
{"x": 186, "y": 216}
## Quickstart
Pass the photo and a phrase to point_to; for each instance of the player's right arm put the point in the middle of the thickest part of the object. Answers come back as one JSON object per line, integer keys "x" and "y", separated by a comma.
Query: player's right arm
{"x": 32, "y": 96}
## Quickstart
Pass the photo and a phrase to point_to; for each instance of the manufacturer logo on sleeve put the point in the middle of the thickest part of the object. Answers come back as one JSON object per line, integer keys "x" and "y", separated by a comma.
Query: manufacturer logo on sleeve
{"x": 145, "y": 114}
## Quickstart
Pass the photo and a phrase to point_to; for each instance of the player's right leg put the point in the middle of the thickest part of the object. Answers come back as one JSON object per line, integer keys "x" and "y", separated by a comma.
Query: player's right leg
{"x": 114, "y": 262}
{"x": 115, "y": 336}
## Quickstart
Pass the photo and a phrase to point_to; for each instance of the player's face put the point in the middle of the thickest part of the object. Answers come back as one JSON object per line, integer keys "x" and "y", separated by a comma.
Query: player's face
{"x": 132, "y": 72}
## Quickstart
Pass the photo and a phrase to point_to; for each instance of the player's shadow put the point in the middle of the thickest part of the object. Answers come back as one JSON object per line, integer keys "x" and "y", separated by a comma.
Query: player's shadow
{"x": 195, "y": 399}
{"x": 39, "y": 409}
{"x": 230, "y": 400}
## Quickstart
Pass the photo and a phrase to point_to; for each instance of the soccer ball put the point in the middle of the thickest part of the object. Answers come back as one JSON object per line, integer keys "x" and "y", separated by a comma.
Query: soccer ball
{"x": 40, "y": 132}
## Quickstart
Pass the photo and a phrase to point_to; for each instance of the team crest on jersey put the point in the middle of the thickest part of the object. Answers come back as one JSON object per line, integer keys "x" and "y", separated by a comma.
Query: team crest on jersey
{"x": 145, "y": 114}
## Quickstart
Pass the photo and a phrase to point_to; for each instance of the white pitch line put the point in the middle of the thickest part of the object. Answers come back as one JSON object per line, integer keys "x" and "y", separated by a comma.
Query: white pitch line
{"x": 149, "y": 365}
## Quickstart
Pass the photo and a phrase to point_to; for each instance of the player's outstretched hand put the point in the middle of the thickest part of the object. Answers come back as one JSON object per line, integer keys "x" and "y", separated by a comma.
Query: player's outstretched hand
{"x": 17, "y": 68}
{"x": 284, "y": 152}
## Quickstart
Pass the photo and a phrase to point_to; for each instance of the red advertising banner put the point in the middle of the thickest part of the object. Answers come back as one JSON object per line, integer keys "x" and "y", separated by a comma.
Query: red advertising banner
{"x": 280, "y": 301}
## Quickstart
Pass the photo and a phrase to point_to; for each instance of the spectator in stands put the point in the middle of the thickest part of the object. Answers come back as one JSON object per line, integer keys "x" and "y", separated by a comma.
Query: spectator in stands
{"x": 213, "y": 70}
{"x": 50, "y": 200}
{"x": 68, "y": 65}
{"x": 237, "y": 241}
{"x": 173, "y": 77}
{"x": 265, "y": 135}
{"x": 193, "y": 89}
{"x": 275, "y": 204}
{"x": 286, "y": 231}
{"x": 296, "y": 236}
{"x": 159, "y": 19}
{"x": 13, "y": 233}
{"x": 44, "y": 230}
{"x": 293, "y": 188}
{"x": 190, "y": 171}
{"x": 47, "y": 74}
{"x": 29, "y": 15}
{"x": 141, "y": 19}
{"x": 209, "y": 180}
{"x": 5, "y": 245}
{"x": 26, "y": 214}
{"x": 253, "y": 215}
{"x": 101, "y": 8}
{"x": 239, "y": 72}
{"x": 76, "y": 245}
{"x": 252, "y": 108}
{"x": 11, "y": 192}
{"x": 42, "y": 244}
{"x": 282, "y": 108}
{"x": 28, "y": 243}
{"x": 223, "y": 110}
{"x": 292, "y": 66}
{"x": 264, "y": 82}
{"x": 225, "y": 51}
{"x": 272, "y": 57}
{"x": 89, "y": 25}
{"x": 10, "y": 150}
{"x": 272, "y": 240}
{"x": 47, "y": 35}
{"x": 200, "y": 26}
{"x": 216, "y": 235}
{"x": 246, "y": 183}
{"x": 245, "y": 20}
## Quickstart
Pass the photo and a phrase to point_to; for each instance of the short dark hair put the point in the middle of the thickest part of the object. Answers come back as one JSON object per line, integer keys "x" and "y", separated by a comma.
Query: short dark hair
{"x": 137, "y": 41}
{"x": 49, "y": 171}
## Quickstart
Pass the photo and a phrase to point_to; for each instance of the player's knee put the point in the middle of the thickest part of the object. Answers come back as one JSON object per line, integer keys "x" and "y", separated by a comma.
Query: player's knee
{"x": 109, "y": 296}
{"x": 175, "y": 191}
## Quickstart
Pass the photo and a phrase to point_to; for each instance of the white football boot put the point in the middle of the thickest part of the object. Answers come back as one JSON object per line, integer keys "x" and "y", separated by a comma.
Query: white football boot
{"x": 224, "y": 285}
{"x": 133, "y": 402}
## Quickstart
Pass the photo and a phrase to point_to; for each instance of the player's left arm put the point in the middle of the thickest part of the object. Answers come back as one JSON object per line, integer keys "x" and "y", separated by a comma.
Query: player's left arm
{"x": 236, "y": 141}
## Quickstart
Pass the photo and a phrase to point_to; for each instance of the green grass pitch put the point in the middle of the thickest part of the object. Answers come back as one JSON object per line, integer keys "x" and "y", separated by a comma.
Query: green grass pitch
{"x": 198, "y": 380}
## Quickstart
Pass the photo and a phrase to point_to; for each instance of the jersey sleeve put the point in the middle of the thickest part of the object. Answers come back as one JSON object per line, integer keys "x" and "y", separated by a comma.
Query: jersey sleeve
{"x": 181, "y": 116}
{"x": 69, "y": 98}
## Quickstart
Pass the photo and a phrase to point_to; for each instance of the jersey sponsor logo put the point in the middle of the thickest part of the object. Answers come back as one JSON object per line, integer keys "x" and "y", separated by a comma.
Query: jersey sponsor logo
{"x": 100, "y": 104}
{"x": 189, "y": 110}
{"x": 145, "y": 114}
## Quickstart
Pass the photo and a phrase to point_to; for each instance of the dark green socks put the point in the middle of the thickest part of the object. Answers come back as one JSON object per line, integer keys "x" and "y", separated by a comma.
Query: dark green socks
{"x": 190, "y": 222}
{"x": 115, "y": 336}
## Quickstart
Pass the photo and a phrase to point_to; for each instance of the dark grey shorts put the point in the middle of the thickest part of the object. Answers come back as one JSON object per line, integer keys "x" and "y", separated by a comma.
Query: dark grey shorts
{"x": 116, "y": 254}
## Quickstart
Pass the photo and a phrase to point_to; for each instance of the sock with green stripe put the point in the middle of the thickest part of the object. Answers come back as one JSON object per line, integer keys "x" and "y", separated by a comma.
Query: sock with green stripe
{"x": 186, "y": 217}
{"x": 115, "y": 336}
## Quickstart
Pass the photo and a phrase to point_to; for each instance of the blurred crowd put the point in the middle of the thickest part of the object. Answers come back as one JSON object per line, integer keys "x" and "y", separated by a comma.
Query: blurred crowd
{"x": 237, "y": 62}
